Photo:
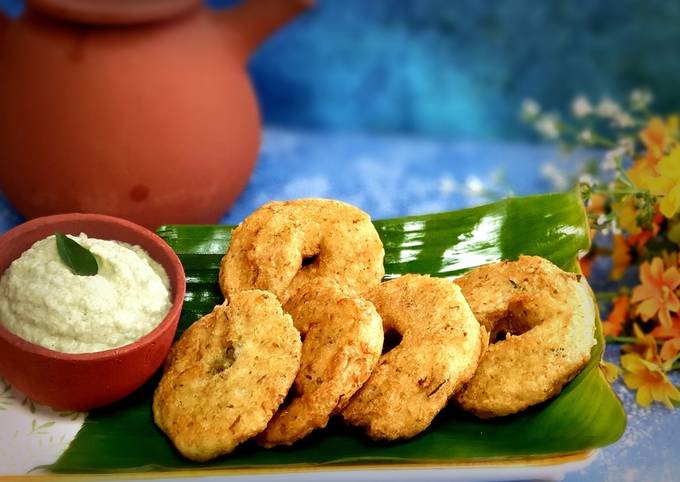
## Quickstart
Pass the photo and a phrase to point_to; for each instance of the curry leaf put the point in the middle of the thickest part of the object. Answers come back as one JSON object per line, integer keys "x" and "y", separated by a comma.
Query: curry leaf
{"x": 77, "y": 258}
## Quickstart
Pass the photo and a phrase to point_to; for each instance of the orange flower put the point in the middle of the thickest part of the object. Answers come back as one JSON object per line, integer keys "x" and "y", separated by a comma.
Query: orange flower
{"x": 626, "y": 215}
{"x": 666, "y": 333}
{"x": 639, "y": 240}
{"x": 645, "y": 346}
{"x": 597, "y": 203}
{"x": 658, "y": 135}
{"x": 620, "y": 257}
{"x": 669, "y": 352}
{"x": 586, "y": 265}
{"x": 656, "y": 293}
{"x": 617, "y": 316}
{"x": 649, "y": 380}
{"x": 610, "y": 371}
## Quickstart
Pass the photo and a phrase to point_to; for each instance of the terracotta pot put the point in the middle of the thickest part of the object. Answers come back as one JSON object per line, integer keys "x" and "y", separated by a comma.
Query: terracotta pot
{"x": 141, "y": 109}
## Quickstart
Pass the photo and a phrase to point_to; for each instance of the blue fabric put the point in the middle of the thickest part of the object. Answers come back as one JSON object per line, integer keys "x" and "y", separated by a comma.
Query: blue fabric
{"x": 398, "y": 176}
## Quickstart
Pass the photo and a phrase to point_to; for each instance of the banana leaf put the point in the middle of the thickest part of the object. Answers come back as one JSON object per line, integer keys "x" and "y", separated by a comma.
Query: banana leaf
{"x": 586, "y": 415}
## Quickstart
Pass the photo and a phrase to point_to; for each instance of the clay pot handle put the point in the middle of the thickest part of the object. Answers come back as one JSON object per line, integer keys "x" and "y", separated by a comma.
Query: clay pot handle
{"x": 255, "y": 20}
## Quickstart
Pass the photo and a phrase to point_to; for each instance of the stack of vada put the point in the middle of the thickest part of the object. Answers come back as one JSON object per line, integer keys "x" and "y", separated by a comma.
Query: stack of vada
{"x": 300, "y": 337}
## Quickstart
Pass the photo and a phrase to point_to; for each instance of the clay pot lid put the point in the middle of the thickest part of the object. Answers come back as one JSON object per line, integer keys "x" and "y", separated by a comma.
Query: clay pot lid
{"x": 113, "y": 12}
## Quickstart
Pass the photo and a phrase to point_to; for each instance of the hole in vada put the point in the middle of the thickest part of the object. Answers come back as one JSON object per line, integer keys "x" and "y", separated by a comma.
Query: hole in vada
{"x": 508, "y": 326}
{"x": 309, "y": 260}
{"x": 391, "y": 340}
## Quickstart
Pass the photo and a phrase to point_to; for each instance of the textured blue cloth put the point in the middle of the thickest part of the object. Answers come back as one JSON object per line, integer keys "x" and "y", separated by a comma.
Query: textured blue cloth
{"x": 396, "y": 176}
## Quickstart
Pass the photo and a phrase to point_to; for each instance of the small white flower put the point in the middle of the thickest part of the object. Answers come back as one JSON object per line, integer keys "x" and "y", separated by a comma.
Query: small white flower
{"x": 529, "y": 109}
{"x": 548, "y": 126}
{"x": 586, "y": 136}
{"x": 447, "y": 185}
{"x": 607, "y": 108}
{"x": 601, "y": 219}
{"x": 581, "y": 106}
{"x": 623, "y": 119}
{"x": 640, "y": 99}
{"x": 586, "y": 179}
{"x": 557, "y": 177}
{"x": 474, "y": 185}
{"x": 628, "y": 145}
{"x": 612, "y": 228}
{"x": 612, "y": 158}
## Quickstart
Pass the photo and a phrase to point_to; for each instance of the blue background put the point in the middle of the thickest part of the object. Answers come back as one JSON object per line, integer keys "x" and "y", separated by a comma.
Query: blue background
{"x": 459, "y": 68}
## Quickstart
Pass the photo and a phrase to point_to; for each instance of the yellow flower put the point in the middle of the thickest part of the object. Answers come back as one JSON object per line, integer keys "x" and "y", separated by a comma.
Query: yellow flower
{"x": 645, "y": 346}
{"x": 667, "y": 183}
{"x": 658, "y": 135}
{"x": 620, "y": 257}
{"x": 642, "y": 173}
{"x": 626, "y": 214}
{"x": 656, "y": 294}
{"x": 649, "y": 380}
{"x": 610, "y": 371}
{"x": 670, "y": 258}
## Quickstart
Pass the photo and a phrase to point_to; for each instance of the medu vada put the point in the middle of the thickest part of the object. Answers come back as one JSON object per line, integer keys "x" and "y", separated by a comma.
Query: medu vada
{"x": 283, "y": 245}
{"x": 541, "y": 321}
{"x": 227, "y": 375}
{"x": 343, "y": 339}
{"x": 441, "y": 344}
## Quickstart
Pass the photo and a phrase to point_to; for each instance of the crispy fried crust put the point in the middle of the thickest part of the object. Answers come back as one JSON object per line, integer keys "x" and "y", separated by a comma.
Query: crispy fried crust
{"x": 227, "y": 375}
{"x": 343, "y": 338}
{"x": 335, "y": 240}
{"x": 549, "y": 320}
{"x": 440, "y": 347}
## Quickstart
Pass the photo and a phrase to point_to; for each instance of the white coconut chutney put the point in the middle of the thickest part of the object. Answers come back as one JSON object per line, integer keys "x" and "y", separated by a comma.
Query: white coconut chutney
{"x": 43, "y": 302}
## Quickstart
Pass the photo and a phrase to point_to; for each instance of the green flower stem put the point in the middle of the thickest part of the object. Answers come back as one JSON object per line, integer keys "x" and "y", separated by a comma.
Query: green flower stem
{"x": 598, "y": 140}
{"x": 614, "y": 192}
{"x": 607, "y": 295}
{"x": 618, "y": 340}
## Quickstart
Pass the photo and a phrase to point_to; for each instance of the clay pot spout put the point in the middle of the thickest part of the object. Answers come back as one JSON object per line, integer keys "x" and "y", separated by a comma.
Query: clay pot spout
{"x": 254, "y": 20}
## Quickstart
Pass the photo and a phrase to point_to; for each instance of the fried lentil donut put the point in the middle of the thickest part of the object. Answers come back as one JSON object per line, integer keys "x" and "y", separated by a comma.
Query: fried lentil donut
{"x": 343, "y": 338}
{"x": 440, "y": 347}
{"x": 227, "y": 375}
{"x": 548, "y": 320}
{"x": 283, "y": 245}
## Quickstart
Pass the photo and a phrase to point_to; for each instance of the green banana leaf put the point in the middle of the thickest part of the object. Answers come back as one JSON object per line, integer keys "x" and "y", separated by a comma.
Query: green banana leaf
{"x": 586, "y": 414}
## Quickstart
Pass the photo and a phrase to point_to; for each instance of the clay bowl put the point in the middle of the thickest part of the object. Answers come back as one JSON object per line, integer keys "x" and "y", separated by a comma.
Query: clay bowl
{"x": 88, "y": 380}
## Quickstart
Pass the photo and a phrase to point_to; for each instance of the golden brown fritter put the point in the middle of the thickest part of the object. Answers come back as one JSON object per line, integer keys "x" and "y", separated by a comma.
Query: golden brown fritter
{"x": 343, "y": 338}
{"x": 547, "y": 319}
{"x": 283, "y": 245}
{"x": 227, "y": 375}
{"x": 440, "y": 347}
